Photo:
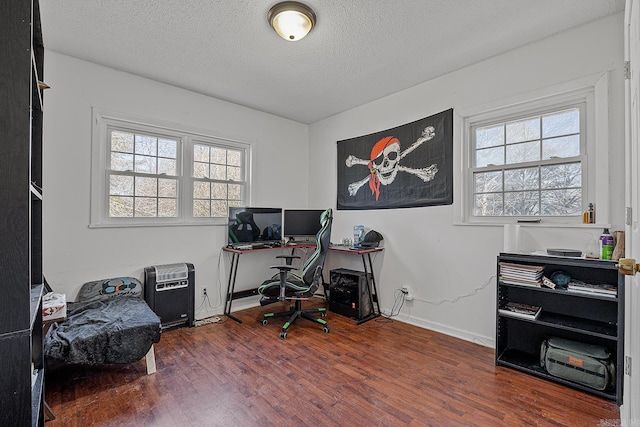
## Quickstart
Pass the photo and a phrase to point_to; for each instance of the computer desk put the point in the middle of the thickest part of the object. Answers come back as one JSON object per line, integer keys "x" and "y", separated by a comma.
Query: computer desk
{"x": 367, "y": 264}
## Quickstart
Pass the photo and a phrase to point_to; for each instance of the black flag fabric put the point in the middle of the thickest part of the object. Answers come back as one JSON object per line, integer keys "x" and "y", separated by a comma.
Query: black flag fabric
{"x": 407, "y": 166}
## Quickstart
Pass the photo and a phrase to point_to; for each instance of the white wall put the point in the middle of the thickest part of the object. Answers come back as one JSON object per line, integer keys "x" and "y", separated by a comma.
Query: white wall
{"x": 443, "y": 262}
{"x": 424, "y": 250}
{"x": 74, "y": 253}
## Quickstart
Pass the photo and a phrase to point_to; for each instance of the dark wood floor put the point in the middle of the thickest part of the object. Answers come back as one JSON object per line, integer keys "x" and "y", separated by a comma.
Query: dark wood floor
{"x": 380, "y": 373}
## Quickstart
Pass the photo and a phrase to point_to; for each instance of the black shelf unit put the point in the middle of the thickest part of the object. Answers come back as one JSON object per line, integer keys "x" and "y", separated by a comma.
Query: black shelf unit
{"x": 593, "y": 319}
{"x": 21, "y": 284}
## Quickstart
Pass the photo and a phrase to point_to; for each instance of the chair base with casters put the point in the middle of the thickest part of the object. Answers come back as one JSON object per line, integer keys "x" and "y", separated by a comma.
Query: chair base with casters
{"x": 297, "y": 312}
{"x": 287, "y": 292}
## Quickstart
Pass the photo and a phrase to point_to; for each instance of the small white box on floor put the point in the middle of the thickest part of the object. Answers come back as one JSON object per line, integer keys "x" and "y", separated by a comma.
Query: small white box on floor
{"x": 54, "y": 306}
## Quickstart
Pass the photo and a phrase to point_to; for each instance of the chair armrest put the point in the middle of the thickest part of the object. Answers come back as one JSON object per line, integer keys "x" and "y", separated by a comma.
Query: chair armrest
{"x": 287, "y": 267}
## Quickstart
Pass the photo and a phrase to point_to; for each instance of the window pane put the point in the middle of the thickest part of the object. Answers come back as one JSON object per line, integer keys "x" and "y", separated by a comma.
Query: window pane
{"x": 490, "y": 156}
{"x": 218, "y": 155}
{"x": 147, "y": 145}
{"x": 561, "y": 176}
{"x": 121, "y": 162}
{"x": 233, "y": 173}
{"x": 218, "y": 172}
{"x": 167, "y": 148}
{"x": 486, "y": 182}
{"x": 562, "y": 202}
{"x": 219, "y": 208}
{"x": 521, "y": 203}
{"x": 121, "y": 141}
{"x": 201, "y": 190}
{"x": 201, "y": 153}
{"x": 201, "y": 208}
{"x": 561, "y": 123}
{"x": 200, "y": 170}
{"x": 219, "y": 191}
{"x": 567, "y": 146}
{"x": 146, "y": 207}
{"x": 167, "y": 166}
{"x": 488, "y": 204}
{"x": 489, "y": 136}
{"x": 167, "y": 208}
{"x": 235, "y": 192}
{"x": 120, "y": 207}
{"x": 145, "y": 164}
{"x": 168, "y": 188}
{"x": 521, "y": 179}
{"x": 146, "y": 187}
{"x": 121, "y": 185}
{"x": 234, "y": 158}
{"x": 524, "y": 130}
{"x": 523, "y": 152}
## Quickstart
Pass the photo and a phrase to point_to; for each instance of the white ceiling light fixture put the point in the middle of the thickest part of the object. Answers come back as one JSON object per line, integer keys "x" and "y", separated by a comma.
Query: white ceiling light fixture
{"x": 291, "y": 20}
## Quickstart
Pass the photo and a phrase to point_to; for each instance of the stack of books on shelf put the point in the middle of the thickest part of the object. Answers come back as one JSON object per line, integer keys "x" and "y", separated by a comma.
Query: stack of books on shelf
{"x": 602, "y": 289}
{"x": 519, "y": 274}
{"x": 524, "y": 311}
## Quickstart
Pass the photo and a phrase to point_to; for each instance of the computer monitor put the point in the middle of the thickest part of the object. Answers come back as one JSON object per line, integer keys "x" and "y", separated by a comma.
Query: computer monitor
{"x": 302, "y": 224}
{"x": 248, "y": 224}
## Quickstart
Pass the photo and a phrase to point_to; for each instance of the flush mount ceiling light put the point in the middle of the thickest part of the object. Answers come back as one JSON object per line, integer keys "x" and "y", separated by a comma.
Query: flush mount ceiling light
{"x": 291, "y": 20}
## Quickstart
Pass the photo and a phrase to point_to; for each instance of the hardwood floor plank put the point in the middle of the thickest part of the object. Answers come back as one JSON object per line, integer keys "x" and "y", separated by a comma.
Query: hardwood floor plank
{"x": 382, "y": 373}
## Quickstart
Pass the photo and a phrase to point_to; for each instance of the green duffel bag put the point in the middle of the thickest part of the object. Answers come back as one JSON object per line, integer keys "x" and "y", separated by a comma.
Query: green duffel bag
{"x": 582, "y": 363}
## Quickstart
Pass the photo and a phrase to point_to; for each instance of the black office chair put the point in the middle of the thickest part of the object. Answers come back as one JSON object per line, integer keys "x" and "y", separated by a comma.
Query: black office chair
{"x": 286, "y": 285}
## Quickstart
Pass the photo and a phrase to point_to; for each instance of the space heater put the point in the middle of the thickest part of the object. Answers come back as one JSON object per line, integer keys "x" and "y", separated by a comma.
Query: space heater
{"x": 169, "y": 290}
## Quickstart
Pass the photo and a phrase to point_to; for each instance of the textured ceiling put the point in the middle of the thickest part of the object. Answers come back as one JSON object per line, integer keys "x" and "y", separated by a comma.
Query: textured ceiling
{"x": 360, "y": 50}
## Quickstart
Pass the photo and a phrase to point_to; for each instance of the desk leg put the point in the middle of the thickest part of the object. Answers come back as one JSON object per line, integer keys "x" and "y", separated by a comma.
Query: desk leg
{"x": 371, "y": 288}
{"x": 231, "y": 285}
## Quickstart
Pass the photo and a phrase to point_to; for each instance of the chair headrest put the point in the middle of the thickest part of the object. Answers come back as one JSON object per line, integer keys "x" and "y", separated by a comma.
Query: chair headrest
{"x": 326, "y": 215}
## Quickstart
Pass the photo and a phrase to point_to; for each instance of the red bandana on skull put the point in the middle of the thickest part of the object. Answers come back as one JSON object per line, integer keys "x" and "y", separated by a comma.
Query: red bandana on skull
{"x": 376, "y": 151}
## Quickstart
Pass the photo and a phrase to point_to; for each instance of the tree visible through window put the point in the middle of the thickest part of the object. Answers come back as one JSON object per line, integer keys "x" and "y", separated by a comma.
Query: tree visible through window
{"x": 146, "y": 172}
{"x": 217, "y": 180}
{"x": 143, "y": 175}
{"x": 530, "y": 166}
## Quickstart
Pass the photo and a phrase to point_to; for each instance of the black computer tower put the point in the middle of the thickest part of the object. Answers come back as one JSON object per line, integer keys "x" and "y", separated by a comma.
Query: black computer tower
{"x": 349, "y": 294}
{"x": 170, "y": 292}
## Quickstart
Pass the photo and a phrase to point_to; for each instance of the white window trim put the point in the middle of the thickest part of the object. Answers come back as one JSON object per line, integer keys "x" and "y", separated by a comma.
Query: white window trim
{"x": 104, "y": 118}
{"x": 593, "y": 89}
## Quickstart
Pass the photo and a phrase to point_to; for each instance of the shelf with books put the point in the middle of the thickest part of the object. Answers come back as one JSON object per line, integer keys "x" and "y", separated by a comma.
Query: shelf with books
{"x": 592, "y": 312}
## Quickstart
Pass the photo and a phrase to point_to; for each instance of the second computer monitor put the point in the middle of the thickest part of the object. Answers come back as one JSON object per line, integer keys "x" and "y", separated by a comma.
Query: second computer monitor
{"x": 302, "y": 224}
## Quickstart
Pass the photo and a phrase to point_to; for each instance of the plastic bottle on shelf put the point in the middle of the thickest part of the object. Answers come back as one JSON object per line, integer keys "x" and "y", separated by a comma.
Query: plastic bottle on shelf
{"x": 606, "y": 245}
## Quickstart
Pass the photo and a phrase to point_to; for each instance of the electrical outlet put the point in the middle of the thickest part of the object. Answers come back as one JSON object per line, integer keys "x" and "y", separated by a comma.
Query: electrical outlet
{"x": 204, "y": 292}
{"x": 627, "y": 365}
{"x": 406, "y": 290}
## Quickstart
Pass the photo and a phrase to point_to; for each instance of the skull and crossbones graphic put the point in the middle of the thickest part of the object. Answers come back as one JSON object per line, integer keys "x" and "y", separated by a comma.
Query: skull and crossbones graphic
{"x": 384, "y": 163}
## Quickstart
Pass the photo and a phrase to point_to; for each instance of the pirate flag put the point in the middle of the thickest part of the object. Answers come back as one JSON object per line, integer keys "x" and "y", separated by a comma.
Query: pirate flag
{"x": 404, "y": 167}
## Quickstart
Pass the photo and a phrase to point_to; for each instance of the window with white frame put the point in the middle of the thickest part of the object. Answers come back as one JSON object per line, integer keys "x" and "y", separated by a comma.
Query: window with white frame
{"x": 143, "y": 175}
{"x": 217, "y": 179}
{"x": 530, "y": 166}
{"x": 539, "y": 156}
{"x": 146, "y": 173}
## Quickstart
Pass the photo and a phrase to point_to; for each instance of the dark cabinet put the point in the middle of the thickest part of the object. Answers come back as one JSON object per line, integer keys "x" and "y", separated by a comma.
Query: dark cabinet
{"x": 591, "y": 317}
{"x": 21, "y": 281}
